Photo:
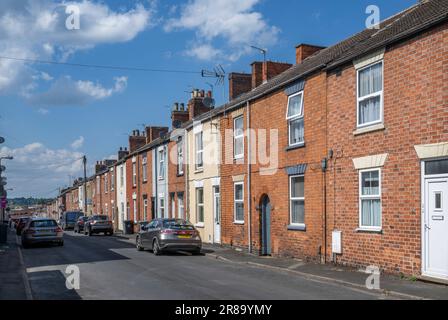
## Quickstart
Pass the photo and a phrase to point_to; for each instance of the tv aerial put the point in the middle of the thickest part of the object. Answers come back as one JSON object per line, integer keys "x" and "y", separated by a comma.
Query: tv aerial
{"x": 218, "y": 72}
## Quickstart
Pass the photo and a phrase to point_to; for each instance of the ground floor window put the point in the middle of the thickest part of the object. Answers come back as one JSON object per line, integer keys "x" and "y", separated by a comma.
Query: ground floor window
{"x": 134, "y": 202}
{"x": 239, "y": 202}
{"x": 180, "y": 206}
{"x": 145, "y": 209}
{"x": 297, "y": 200}
{"x": 162, "y": 207}
{"x": 200, "y": 205}
{"x": 370, "y": 199}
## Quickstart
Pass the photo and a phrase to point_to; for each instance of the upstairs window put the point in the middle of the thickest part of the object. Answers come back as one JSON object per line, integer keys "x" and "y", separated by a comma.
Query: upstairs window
{"x": 161, "y": 164}
{"x": 180, "y": 158}
{"x": 112, "y": 181}
{"x": 121, "y": 176}
{"x": 134, "y": 174}
{"x": 238, "y": 138}
{"x": 145, "y": 168}
{"x": 199, "y": 144}
{"x": 200, "y": 205}
{"x": 294, "y": 117}
{"x": 106, "y": 185}
{"x": 370, "y": 95}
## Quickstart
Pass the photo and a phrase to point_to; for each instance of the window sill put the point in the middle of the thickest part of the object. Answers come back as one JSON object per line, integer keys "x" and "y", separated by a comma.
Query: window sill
{"x": 239, "y": 223}
{"x": 363, "y": 230}
{"x": 292, "y": 227}
{"x": 180, "y": 175}
{"x": 368, "y": 129}
{"x": 199, "y": 225}
{"x": 199, "y": 171}
{"x": 294, "y": 147}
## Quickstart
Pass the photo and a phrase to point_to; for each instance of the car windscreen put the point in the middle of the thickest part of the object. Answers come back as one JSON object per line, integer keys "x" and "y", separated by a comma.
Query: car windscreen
{"x": 177, "y": 224}
{"x": 100, "y": 218}
{"x": 43, "y": 224}
{"x": 72, "y": 216}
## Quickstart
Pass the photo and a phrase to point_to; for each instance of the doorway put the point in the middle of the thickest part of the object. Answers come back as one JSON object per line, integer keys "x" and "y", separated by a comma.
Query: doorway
{"x": 266, "y": 249}
{"x": 435, "y": 219}
{"x": 217, "y": 214}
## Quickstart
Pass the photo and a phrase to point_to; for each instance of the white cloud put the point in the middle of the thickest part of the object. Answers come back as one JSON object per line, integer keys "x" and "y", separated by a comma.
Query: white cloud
{"x": 32, "y": 29}
{"x": 36, "y": 169}
{"x": 67, "y": 92}
{"x": 234, "y": 21}
{"x": 43, "y": 111}
{"x": 78, "y": 143}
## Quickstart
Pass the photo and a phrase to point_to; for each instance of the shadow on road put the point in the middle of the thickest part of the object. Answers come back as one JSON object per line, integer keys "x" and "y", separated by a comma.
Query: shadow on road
{"x": 76, "y": 250}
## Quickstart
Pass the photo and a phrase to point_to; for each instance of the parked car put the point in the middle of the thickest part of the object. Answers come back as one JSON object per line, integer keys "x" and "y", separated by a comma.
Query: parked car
{"x": 98, "y": 224}
{"x": 169, "y": 235}
{"x": 69, "y": 219}
{"x": 42, "y": 230}
{"x": 21, "y": 224}
{"x": 79, "y": 225}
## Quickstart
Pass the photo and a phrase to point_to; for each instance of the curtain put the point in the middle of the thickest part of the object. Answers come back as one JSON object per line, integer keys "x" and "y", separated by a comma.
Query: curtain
{"x": 296, "y": 131}
{"x": 297, "y": 211}
{"x": 371, "y": 213}
{"x": 295, "y": 106}
{"x": 371, "y": 80}
{"x": 369, "y": 110}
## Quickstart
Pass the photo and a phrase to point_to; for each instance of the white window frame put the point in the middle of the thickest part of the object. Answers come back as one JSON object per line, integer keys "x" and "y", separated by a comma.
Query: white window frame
{"x": 180, "y": 157}
{"x": 180, "y": 206}
{"x": 200, "y": 205}
{"x": 145, "y": 168}
{"x": 361, "y": 99}
{"x": 238, "y": 137}
{"x": 145, "y": 209}
{"x": 290, "y": 119}
{"x": 121, "y": 176}
{"x": 291, "y": 199}
{"x": 161, "y": 164}
{"x": 134, "y": 203}
{"x": 106, "y": 183}
{"x": 162, "y": 207}
{"x": 199, "y": 151}
{"x": 235, "y": 201}
{"x": 134, "y": 174}
{"x": 370, "y": 197}
{"x": 112, "y": 181}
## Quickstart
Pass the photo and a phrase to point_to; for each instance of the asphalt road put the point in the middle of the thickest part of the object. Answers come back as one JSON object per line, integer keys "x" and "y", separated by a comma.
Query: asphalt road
{"x": 111, "y": 268}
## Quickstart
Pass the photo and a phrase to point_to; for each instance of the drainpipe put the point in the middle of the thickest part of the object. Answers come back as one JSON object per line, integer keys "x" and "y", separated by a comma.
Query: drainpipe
{"x": 249, "y": 156}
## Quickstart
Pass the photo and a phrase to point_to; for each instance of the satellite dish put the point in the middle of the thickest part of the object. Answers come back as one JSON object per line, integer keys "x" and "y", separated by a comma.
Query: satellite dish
{"x": 209, "y": 102}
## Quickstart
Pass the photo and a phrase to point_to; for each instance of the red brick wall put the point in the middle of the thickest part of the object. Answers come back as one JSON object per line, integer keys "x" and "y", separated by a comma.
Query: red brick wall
{"x": 176, "y": 182}
{"x": 269, "y": 113}
{"x": 415, "y": 112}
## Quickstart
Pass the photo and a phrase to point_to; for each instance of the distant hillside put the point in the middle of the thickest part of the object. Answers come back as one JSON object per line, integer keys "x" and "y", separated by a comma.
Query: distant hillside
{"x": 26, "y": 202}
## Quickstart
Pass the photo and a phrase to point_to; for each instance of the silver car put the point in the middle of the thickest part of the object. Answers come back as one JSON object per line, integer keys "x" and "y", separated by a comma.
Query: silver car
{"x": 169, "y": 235}
{"x": 98, "y": 224}
{"x": 42, "y": 230}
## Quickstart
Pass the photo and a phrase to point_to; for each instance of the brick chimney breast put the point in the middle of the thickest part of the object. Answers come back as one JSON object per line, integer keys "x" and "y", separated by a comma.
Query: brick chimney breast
{"x": 262, "y": 72}
{"x": 304, "y": 51}
{"x": 239, "y": 83}
{"x": 196, "y": 105}
{"x": 153, "y": 133}
{"x": 136, "y": 141}
{"x": 179, "y": 115}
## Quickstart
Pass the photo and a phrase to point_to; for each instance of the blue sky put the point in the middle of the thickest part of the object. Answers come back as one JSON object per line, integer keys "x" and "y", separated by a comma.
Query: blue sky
{"x": 52, "y": 115}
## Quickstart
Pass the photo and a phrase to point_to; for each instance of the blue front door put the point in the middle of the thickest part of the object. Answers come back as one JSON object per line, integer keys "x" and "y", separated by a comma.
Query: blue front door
{"x": 266, "y": 226}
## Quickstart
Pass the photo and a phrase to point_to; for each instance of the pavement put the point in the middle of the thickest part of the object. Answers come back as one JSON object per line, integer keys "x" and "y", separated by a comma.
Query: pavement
{"x": 13, "y": 280}
{"x": 390, "y": 285}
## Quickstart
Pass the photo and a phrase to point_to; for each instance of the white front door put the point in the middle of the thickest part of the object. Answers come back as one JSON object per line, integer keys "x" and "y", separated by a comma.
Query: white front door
{"x": 435, "y": 228}
{"x": 217, "y": 215}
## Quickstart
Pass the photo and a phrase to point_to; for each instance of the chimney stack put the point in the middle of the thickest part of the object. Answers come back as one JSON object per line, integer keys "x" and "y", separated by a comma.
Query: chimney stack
{"x": 100, "y": 166}
{"x": 304, "y": 51}
{"x": 122, "y": 153}
{"x": 153, "y": 133}
{"x": 262, "y": 72}
{"x": 136, "y": 141}
{"x": 239, "y": 83}
{"x": 196, "y": 105}
{"x": 179, "y": 115}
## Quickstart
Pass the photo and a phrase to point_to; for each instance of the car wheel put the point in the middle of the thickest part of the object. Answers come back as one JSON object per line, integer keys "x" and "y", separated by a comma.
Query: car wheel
{"x": 155, "y": 248}
{"x": 61, "y": 244}
{"x": 138, "y": 244}
{"x": 25, "y": 245}
{"x": 196, "y": 252}
{"x": 89, "y": 232}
